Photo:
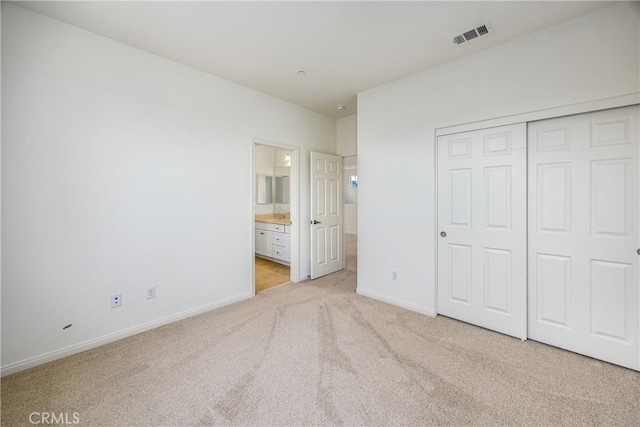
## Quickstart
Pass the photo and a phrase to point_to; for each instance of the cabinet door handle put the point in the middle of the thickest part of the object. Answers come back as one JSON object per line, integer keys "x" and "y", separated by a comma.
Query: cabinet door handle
{"x": 262, "y": 233}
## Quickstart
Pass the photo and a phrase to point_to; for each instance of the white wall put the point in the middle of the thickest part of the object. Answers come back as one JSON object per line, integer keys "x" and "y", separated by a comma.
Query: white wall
{"x": 347, "y": 145}
{"x": 347, "y": 135}
{"x": 121, "y": 169}
{"x": 351, "y": 218}
{"x": 263, "y": 157}
{"x": 350, "y": 167}
{"x": 589, "y": 58}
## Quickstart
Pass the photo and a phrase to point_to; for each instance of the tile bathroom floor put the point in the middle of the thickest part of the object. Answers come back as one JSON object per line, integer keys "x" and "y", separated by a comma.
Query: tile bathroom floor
{"x": 270, "y": 274}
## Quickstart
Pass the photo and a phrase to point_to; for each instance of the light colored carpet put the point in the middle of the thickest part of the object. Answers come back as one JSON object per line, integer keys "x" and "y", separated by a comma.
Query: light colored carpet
{"x": 318, "y": 354}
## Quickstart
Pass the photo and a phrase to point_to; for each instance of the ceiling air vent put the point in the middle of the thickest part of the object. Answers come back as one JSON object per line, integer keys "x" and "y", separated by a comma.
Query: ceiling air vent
{"x": 474, "y": 33}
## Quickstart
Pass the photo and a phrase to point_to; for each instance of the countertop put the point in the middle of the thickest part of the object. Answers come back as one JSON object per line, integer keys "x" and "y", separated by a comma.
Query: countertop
{"x": 273, "y": 219}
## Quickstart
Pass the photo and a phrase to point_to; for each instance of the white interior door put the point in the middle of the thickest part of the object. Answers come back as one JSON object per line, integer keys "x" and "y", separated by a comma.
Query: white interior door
{"x": 482, "y": 238}
{"x": 584, "y": 233}
{"x": 326, "y": 214}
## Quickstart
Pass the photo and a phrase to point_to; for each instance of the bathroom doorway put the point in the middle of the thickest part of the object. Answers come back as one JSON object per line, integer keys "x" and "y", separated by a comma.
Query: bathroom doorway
{"x": 275, "y": 176}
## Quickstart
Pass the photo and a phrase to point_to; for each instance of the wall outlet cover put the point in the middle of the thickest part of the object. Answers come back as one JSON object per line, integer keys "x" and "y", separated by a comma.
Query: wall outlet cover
{"x": 151, "y": 291}
{"x": 116, "y": 300}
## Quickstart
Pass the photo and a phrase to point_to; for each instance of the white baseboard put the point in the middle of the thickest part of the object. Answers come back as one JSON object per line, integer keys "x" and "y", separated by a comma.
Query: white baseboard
{"x": 397, "y": 302}
{"x": 31, "y": 362}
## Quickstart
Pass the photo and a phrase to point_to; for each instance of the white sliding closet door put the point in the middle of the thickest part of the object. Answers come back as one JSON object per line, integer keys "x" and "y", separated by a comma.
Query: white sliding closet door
{"x": 584, "y": 234}
{"x": 482, "y": 228}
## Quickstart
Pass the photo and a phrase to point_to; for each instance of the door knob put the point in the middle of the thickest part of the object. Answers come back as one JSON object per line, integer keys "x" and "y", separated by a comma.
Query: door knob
{"x": 443, "y": 234}
{"x": 315, "y": 222}
{"x": 638, "y": 251}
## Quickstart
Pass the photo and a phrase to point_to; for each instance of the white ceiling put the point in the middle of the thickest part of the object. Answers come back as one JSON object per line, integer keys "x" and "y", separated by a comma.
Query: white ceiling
{"x": 344, "y": 47}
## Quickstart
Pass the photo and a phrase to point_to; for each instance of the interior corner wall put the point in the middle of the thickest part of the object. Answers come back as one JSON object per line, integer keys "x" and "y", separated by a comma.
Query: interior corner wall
{"x": 592, "y": 57}
{"x": 121, "y": 169}
{"x": 347, "y": 135}
{"x": 347, "y": 145}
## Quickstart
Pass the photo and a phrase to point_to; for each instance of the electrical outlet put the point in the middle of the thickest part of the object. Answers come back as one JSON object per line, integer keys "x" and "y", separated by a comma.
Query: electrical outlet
{"x": 151, "y": 291}
{"x": 116, "y": 300}
{"x": 394, "y": 275}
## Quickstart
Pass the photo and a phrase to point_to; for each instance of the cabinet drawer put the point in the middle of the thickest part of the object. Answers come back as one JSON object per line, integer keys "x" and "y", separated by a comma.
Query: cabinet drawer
{"x": 264, "y": 226}
{"x": 279, "y": 252}
{"x": 279, "y": 239}
{"x": 280, "y": 228}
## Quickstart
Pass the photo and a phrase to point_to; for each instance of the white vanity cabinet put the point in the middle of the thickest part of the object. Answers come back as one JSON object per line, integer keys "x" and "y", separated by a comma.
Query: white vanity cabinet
{"x": 263, "y": 241}
{"x": 272, "y": 241}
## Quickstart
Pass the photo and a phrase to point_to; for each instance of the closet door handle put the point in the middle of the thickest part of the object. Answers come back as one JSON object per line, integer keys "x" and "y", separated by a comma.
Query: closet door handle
{"x": 443, "y": 234}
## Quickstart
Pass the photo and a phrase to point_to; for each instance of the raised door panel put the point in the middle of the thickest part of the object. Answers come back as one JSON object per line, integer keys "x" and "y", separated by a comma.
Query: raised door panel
{"x": 320, "y": 197}
{"x": 460, "y": 196}
{"x": 553, "y": 139}
{"x": 612, "y": 130}
{"x": 497, "y": 144}
{"x": 459, "y": 148}
{"x": 497, "y": 283}
{"x": 497, "y": 184}
{"x": 554, "y": 289}
{"x": 611, "y": 201}
{"x": 460, "y": 273}
{"x": 554, "y": 197}
{"x": 334, "y": 197}
{"x": 610, "y": 292}
{"x": 321, "y": 246}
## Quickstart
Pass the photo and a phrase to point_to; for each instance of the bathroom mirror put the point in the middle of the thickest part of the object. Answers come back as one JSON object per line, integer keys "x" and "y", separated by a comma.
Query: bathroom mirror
{"x": 282, "y": 189}
{"x": 264, "y": 189}
{"x": 282, "y": 184}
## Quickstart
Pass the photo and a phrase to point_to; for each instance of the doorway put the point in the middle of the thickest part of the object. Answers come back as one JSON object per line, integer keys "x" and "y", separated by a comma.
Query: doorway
{"x": 275, "y": 212}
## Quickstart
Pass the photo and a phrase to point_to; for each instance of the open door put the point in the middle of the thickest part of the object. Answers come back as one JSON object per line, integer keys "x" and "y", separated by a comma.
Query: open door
{"x": 327, "y": 255}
